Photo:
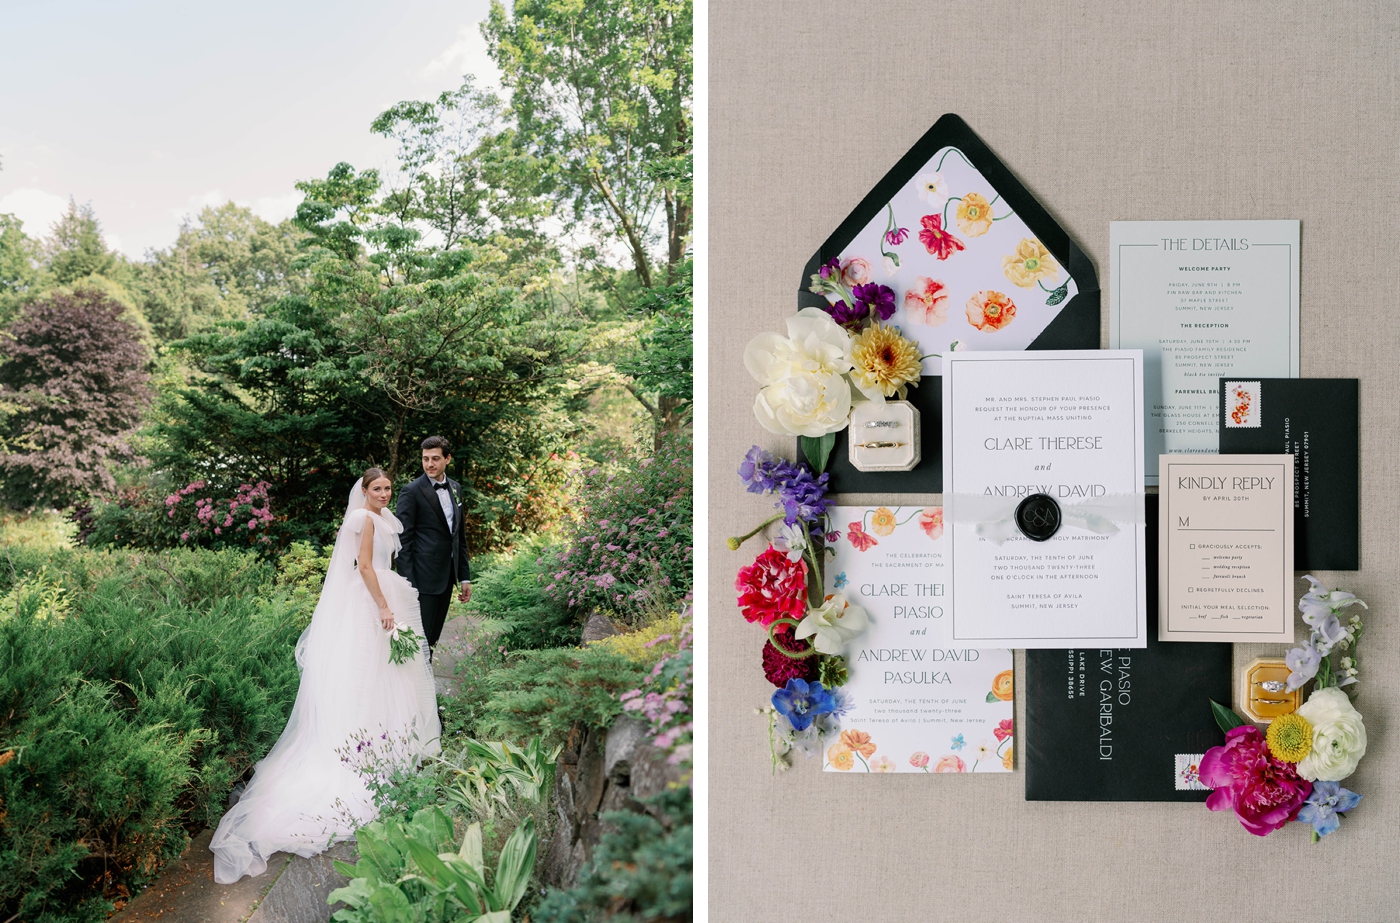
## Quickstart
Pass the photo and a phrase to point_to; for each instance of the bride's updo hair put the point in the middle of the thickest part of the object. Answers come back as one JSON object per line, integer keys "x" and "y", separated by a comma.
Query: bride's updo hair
{"x": 372, "y": 475}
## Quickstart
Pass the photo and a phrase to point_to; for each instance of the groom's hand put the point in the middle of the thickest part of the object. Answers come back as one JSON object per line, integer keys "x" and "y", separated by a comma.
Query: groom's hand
{"x": 466, "y": 594}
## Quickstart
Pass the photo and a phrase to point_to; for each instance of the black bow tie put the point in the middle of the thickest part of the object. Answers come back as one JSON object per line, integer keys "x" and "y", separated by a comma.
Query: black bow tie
{"x": 440, "y": 486}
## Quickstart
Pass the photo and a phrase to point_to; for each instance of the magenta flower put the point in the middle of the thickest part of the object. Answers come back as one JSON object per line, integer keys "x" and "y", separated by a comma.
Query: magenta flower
{"x": 1265, "y": 793}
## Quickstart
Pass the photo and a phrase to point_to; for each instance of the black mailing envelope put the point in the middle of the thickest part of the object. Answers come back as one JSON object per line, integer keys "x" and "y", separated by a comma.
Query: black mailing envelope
{"x": 975, "y": 262}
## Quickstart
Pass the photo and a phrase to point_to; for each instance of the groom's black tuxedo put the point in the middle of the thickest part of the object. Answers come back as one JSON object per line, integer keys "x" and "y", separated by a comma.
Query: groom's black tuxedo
{"x": 433, "y": 557}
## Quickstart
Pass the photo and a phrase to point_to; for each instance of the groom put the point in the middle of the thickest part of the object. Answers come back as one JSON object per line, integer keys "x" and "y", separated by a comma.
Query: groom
{"x": 433, "y": 556}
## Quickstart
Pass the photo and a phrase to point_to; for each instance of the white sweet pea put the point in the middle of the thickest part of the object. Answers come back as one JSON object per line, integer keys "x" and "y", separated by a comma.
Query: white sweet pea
{"x": 832, "y": 624}
{"x": 1339, "y": 736}
{"x": 792, "y": 541}
{"x": 805, "y": 391}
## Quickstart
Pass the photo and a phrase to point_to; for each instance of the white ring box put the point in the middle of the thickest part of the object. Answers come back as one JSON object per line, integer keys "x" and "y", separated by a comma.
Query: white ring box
{"x": 904, "y": 416}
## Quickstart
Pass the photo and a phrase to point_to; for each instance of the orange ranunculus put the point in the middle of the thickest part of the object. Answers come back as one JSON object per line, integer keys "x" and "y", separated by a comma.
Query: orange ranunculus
{"x": 988, "y": 310}
{"x": 840, "y": 757}
{"x": 926, "y": 302}
{"x": 950, "y": 763}
{"x": 974, "y": 215}
{"x": 882, "y": 522}
{"x": 858, "y": 741}
{"x": 1002, "y": 686}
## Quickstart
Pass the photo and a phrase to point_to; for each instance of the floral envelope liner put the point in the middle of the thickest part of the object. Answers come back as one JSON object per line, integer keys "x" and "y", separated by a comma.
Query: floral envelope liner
{"x": 966, "y": 271}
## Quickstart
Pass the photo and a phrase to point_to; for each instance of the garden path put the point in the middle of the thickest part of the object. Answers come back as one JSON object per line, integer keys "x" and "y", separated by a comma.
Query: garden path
{"x": 293, "y": 889}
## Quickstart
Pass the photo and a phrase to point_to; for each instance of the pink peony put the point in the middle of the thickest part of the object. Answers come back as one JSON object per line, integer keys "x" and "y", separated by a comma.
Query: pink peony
{"x": 772, "y": 587}
{"x": 1264, "y": 792}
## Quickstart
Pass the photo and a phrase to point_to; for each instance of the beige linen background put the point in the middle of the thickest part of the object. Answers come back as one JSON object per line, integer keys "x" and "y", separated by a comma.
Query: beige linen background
{"x": 1162, "y": 110}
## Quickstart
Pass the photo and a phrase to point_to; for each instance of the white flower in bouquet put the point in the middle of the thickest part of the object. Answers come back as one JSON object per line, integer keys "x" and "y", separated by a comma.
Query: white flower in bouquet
{"x": 805, "y": 390}
{"x": 832, "y": 624}
{"x": 1339, "y": 736}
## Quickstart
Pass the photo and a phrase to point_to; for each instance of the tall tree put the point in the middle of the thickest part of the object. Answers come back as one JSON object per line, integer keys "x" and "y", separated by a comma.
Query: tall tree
{"x": 75, "y": 248}
{"x": 19, "y": 265}
{"x": 75, "y": 373}
{"x": 603, "y": 89}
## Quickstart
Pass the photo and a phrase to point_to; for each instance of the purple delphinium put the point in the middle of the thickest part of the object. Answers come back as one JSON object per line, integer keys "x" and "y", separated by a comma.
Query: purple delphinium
{"x": 757, "y": 471}
{"x": 800, "y": 702}
{"x": 1323, "y": 807}
{"x": 875, "y": 297}
{"x": 845, "y": 315}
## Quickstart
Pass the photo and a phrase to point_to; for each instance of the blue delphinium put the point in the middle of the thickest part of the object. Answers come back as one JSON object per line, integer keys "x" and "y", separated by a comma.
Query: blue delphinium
{"x": 800, "y": 702}
{"x": 1325, "y": 805}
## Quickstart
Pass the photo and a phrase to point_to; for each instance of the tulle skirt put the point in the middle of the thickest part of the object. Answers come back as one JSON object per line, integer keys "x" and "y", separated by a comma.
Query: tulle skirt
{"x": 354, "y": 710}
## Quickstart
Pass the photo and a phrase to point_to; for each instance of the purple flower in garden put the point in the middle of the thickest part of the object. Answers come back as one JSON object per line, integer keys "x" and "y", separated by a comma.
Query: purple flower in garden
{"x": 896, "y": 236}
{"x": 876, "y": 297}
{"x": 847, "y": 316}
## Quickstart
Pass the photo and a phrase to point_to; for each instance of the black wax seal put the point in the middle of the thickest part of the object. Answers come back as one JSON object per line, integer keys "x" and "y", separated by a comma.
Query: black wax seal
{"x": 1038, "y": 517}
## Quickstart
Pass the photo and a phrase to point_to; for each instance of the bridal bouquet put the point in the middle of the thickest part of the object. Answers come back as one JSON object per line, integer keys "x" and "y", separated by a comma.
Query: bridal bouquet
{"x": 781, "y": 591}
{"x": 404, "y": 643}
{"x": 1293, "y": 770}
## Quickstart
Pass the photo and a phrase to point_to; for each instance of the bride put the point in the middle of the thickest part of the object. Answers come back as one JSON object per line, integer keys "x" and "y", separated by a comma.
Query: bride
{"x": 353, "y": 705}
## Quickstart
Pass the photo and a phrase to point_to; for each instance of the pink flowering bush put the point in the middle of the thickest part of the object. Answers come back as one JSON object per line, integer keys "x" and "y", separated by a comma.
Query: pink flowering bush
{"x": 629, "y": 549}
{"x": 667, "y": 698}
{"x": 195, "y": 515}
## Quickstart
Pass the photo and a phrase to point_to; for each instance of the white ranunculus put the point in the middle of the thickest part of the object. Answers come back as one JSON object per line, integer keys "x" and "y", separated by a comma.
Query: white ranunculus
{"x": 1339, "y": 737}
{"x": 805, "y": 392}
{"x": 832, "y": 624}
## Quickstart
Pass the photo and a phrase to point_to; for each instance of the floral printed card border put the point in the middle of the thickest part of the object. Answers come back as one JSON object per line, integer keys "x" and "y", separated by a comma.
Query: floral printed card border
{"x": 891, "y": 562}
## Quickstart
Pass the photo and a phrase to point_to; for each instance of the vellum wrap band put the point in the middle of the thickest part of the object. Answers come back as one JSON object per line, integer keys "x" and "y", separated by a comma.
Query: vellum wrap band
{"x": 996, "y": 522}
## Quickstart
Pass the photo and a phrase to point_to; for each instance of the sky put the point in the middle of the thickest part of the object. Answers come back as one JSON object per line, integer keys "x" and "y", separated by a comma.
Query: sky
{"x": 151, "y": 110}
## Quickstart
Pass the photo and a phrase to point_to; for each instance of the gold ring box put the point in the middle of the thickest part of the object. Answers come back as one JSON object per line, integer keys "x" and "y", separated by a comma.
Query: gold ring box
{"x": 904, "y": 432}
{"x": 1257, "y": 703}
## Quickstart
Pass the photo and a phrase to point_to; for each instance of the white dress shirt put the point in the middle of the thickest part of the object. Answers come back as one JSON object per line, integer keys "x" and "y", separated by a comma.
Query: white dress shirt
{"x": 445, "y": 498}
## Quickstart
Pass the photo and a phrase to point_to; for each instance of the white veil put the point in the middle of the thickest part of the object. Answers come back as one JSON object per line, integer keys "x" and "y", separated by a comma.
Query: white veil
{"x": 339, "y": 573}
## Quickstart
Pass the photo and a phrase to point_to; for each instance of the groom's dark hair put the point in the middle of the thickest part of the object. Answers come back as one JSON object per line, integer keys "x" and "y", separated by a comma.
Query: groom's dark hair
{"x": 436, "y": 442}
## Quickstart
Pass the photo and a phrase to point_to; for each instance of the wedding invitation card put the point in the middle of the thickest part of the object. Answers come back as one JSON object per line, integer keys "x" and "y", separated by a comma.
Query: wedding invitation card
{"x": 1202, "y": 300}
{"x": 1226, "y": 556}
{"x": 1121, "y": 724}
{"x": 1048, "y": 444}
{"x": 1317, "y": 421}
{"x": 918, "y": 702}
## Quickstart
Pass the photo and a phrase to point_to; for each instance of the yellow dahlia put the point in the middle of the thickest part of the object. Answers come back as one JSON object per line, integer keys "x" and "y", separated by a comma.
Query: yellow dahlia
{"x": 885, "y": 360}
{"x": 1290, "y": 737}
{"x": 1030, "y": 262}
{"x": 974, "y": 215}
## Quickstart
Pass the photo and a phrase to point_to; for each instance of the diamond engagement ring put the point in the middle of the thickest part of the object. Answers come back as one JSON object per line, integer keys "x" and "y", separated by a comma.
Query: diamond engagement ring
{"x": 877, "y": 424}
{"x": 1273, "y": 685}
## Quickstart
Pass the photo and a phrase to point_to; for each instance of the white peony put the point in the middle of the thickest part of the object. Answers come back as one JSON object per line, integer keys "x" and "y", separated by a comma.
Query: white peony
{"x": 1339, "y": 737}
{"x": 805, "y": 392}
{"x": 832, "y": 624}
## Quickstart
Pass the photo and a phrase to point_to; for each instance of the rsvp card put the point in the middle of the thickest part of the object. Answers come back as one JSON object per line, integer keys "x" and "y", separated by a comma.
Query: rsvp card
{"x": 1226, "y": 548}
{"x": 1062, "y": 423}
{"x": 919, "y": 703}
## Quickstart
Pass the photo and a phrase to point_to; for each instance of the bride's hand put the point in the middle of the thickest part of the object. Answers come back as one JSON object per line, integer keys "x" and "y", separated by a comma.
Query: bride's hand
{"x": 386, "y": 618}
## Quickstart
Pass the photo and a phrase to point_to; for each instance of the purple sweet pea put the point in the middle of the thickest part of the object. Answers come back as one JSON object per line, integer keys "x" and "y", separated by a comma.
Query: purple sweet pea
{"x": 800, "y": 702}
{"x": 803, "y": 497}
{"x": 1325, "y": 805}
{"x": 847, "y": 316}
{"x": 876, "y": 297}
{"x": 757, "y": 471}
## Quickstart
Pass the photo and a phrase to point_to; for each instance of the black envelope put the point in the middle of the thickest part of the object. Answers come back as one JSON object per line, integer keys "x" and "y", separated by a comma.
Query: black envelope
{"x": 1317, "y": 420}
{"x": 1123, "y": 725}
{"x": 970, "y": 231}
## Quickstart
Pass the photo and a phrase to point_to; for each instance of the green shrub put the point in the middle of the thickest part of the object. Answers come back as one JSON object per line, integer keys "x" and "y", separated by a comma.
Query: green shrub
{"x": 647, "y": 645}
{"x": 510, "y": 589}
{"x": 545, "y": 693}
{"x": 641, "y": 871}
{"x": 134, "y": 690}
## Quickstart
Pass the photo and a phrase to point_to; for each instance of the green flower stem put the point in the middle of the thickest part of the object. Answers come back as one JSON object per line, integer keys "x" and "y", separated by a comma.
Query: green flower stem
{"x": 862, "y": 760}
{"x": 952, "y": 150}
{"x": 772, "y": 636}
{"x": 734, "y": 543}
{"x": 816, "y": 587}
{"x": 889, "y": 227}
{"x": 951, "y": 200}
{"x": 995, "y": 200}
{"x": 1007, "y": 215}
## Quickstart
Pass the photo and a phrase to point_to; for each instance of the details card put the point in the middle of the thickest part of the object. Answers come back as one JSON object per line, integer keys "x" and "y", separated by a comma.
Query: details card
{"x": 1068, "y": 425}
{"x": 918, "y": 701}
{"x": 1226, "y": 548}
{"x": 1202, "y": 300}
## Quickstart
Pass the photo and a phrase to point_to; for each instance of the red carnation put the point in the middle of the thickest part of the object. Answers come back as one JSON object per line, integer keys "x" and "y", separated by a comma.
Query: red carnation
{"x": 779, "y": 668}
{"x": 772, "y": 588}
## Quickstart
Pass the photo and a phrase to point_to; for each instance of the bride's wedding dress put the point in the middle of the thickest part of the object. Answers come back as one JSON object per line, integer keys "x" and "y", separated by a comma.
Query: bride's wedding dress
{"x": 353, "y": 707}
